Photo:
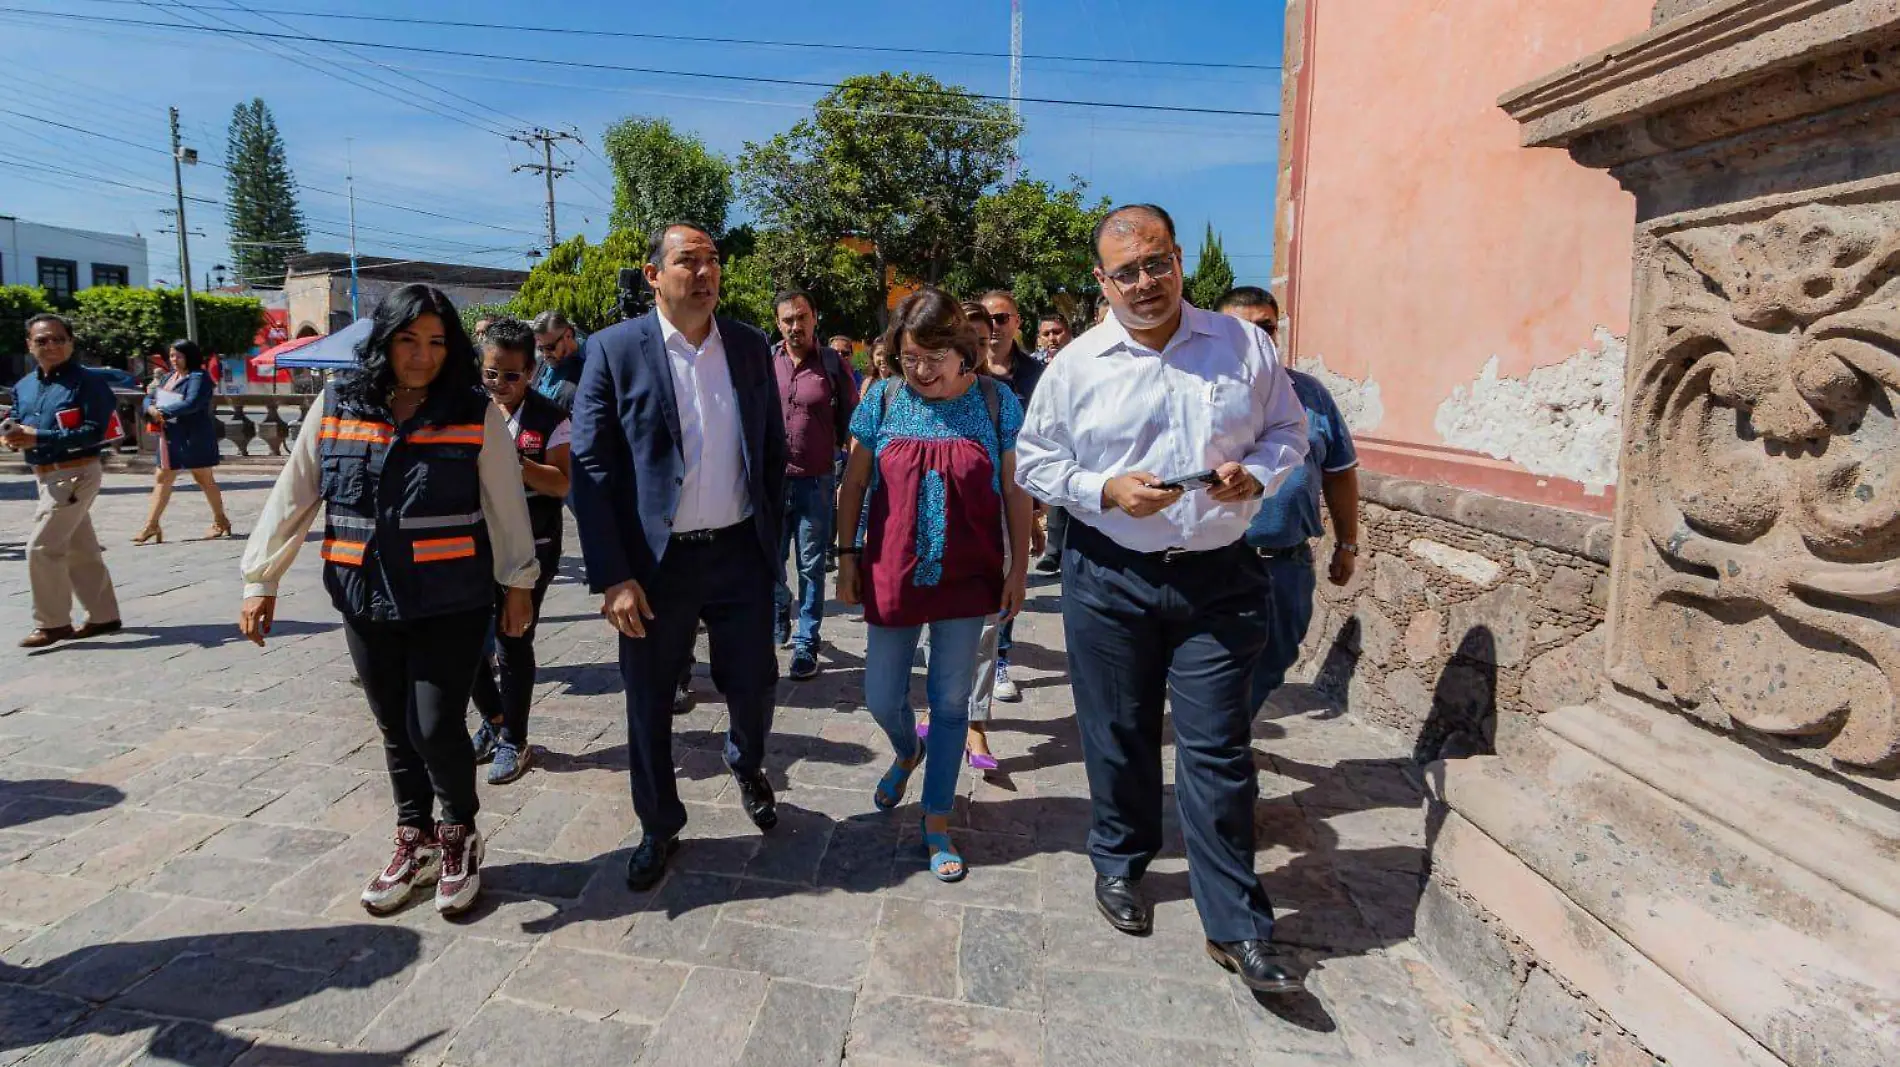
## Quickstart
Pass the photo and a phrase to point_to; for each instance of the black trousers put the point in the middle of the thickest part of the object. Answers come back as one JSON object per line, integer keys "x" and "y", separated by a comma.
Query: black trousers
{"x": 504, "y": 687}
{"x": 728, "y": 583}
{"x": 1058, "y": 533}
{"x": 1140, "y": 631}
{"x": 417, "y": 675}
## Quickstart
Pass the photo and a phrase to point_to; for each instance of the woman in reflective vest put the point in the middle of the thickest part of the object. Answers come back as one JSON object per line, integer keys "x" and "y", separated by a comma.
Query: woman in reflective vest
{"x": 423, "y": 513}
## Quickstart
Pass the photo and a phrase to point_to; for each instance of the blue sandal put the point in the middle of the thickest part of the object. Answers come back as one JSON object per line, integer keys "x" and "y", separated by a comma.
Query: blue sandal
{"x": 942, "y": 854}
{"x": 890, "y": 788}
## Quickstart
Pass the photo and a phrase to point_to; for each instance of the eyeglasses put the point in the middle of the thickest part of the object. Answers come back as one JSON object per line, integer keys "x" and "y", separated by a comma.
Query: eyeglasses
{"x": 49, "y": 341}
{"x": 911, "y": 362}
{"x": 1157, "y": 268}
{"x": 1002, "y": 318}
{"x": 509, "y": 376}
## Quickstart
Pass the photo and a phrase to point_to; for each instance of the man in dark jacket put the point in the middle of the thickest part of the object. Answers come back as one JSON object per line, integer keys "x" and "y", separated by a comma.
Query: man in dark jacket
{"x": 59, "y": 420}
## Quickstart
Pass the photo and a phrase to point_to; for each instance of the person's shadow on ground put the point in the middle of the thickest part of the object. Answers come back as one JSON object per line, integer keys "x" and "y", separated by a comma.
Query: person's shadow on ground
{"x": 27, "y": 801}
{"x": 180, "y": 987}
{"x": 201, "y": 635}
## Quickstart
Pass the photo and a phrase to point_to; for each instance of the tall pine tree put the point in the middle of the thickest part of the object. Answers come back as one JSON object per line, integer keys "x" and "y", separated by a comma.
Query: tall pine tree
{"x": 267, "y": 227}
{"x": 1213, "y": 275}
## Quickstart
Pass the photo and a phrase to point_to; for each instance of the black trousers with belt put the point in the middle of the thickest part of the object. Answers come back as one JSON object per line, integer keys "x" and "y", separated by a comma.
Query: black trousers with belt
{"x": 1142, "y": 629}
{"x": 728, "y": 583}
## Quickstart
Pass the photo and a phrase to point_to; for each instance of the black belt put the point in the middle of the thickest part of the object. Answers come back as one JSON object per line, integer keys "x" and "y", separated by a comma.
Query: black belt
{"x": 1290, "y": 552}
{"x": 707, "y": 537}
{"x": 1104, "y": 545}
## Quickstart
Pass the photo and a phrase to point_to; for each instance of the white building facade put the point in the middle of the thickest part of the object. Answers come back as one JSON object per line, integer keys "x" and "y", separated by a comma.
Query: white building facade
{"x": 63, "y": 260}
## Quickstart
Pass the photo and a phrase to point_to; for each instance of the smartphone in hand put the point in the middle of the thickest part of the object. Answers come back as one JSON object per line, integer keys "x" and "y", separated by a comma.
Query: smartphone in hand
{"x": 1190, "y": 482}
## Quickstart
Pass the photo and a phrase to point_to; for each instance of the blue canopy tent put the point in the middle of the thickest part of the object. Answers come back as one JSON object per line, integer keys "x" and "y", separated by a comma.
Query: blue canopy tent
{"x": 334, "y": 352}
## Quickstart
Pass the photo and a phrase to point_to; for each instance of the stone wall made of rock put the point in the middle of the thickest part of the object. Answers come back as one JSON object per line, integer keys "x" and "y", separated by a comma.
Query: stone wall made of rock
{"x": 1468, "y": 616}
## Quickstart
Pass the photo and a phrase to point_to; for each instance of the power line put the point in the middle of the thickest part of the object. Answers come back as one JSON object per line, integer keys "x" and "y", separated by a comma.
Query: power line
{"x": 754, "y": 79}
{"x": 573, "y": 31}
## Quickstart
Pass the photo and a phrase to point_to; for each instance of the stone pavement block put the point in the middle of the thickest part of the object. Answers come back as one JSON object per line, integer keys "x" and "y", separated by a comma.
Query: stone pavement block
{"x": 1297, "y": 1027}
{"x": 217, "y": 878}
{"x": 606, "y": 910}
{"x": 808, "y": 957}
{"x": 105, "y": 920}
{"x": 915, "y": 950}
{"x": 535, "y": 876}
{"x": 275, "y": 844}
{"x": 989, "y": 887}
{"x": 680, "y": 917}
{"x": 1089, "y": 943}
{"x": 126, "y": 846}
{"x": 603, "y": 825}
{"x": 1068, "y": 1042}
{"x": 205, "y": 798}
{"x": 794, "y": 849}
{"x": 1379, "y": 1014}
{"x": 597, "y": 985}
{"x": 368, "y": 805}
{"x": 710, "y": 1022}
{"x": 212, "y": 988}
{"x": 104, "y": 1038}
{"x": 799, "y": 1026}
{"x": 17, "y": 845}
{"x": 858, "y": 858}
{"x": 350, "y": 998}
{"x": 30, "y": 1016}
{"x": 1001, "y": 959}
{"x": 309, "y": 800}
{"x": 913, "y": 1029}
{"x": 28, "y": 898}
{"x": 443, "y": 996}
{"x": 829, "y": 912}
{"x": 1144, "y": 1004}
{"x": 508, "y": 1033}
{"x": 53, "y": 816}
{"x": 539, "y": 821}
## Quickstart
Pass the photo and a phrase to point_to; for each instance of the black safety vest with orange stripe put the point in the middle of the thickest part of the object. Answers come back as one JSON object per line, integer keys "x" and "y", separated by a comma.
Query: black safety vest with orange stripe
{"x": 403, "y": 532}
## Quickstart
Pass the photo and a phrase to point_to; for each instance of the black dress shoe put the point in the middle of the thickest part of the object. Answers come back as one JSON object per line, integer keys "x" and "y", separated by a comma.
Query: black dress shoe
{"x": 1260, "y": 966}
{"x": 756, "y": 797}
{"x": 1119, "y": 901}
{"x": 648, "y": 863}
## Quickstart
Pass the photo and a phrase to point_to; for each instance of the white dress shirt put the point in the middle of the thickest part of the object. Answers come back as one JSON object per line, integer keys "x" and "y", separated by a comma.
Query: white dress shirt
{"x": 1111, "y": 405}
{"x": 293, "y": 503}
{"x": 713, "y": 495}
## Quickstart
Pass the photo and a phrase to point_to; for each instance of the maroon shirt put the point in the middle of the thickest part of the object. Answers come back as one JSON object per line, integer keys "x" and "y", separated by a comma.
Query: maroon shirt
{"x": 817, "y": 409}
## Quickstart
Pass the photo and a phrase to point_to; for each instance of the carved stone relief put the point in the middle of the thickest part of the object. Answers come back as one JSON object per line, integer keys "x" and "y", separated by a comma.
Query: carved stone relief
{"x": 1761, "y": 540}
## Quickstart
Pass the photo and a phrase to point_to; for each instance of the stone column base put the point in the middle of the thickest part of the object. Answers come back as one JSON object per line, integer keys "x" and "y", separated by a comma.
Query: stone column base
{"x": 1722, "y": 909}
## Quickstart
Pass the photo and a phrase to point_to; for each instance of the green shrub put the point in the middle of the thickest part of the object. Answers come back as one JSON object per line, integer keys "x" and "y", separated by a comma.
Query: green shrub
{"x": 115, "y": 324}
{"x": 19, "y": 303}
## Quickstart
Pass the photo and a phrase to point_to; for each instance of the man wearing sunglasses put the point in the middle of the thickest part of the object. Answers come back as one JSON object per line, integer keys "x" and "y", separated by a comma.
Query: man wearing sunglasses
{"x": 558, "y": 344}
{"x": 505, "y": 688}
{"x": 1160, "y": 430}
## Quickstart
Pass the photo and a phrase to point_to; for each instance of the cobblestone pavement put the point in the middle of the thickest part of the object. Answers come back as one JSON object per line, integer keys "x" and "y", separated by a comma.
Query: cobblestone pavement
{"x": 185, "y": 822}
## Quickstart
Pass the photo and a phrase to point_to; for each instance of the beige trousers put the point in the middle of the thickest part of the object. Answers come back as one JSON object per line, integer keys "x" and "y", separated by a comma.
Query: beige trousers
{"x": 63, "y": 557}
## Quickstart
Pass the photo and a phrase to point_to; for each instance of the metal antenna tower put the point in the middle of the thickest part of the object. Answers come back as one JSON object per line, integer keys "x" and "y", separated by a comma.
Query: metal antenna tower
{"x": 1016, "y": 81}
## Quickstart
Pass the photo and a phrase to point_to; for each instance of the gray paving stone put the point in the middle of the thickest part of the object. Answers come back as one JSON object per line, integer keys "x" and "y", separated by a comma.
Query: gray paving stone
{"x": 799, "y": 1026}
{"x": 598, "y": 985}
{"x": 216, "y": 878}
{"x": 1069, "y": 1042}
{"x": 914, "y": 1029}
{"x": 214, "y": 988}
{"x": 915, "y": 951}
{"x": 1144, "y": 1004}
{"x": 710, "y": 1023}
{"x": 275, "y": 844}
{"x": 538, "y": 823}
{"x": 205, "y": 798}
{"x": 768, "y": 950}
{"x": 443, "y": 996}
{"x": 1001, "y": 959}
{"x": 508, "y": 1033}
{"x": 29, "y": 1017}
{"x": 350, "y": 998}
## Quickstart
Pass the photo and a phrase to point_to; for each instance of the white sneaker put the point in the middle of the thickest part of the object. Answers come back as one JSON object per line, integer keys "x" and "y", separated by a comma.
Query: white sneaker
{"x": 416, "y": 864}
{"x": 1005, "y": 689}
{"x": 461, "y": 880}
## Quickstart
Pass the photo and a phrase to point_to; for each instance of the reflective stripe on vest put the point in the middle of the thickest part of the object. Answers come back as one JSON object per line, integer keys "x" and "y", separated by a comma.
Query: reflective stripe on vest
{"x": 339, "y": 429}
{"x": 438, "y": 522}
{"x": 442, "y": 549}
{"x": 346, "y": 553}
{"x": 460, "y": 434}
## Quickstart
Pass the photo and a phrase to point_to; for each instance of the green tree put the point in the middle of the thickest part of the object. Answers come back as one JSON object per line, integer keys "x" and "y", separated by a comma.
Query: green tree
{"x": 664, "y": 175}
{"x": 898, "y": 160}
{"x": 581, "y": 281}
{"x": 1033, "y": 239}
{"x": 1212, "y": 276}
{"x": 267, "y": 227}
{"x": 114, "y": 324}
{"x": 19, "y": 303}
{"x": 746, "y": 290}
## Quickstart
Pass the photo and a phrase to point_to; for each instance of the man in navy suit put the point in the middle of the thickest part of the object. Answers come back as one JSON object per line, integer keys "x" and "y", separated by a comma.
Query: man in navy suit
{"x": 678, "y": 494}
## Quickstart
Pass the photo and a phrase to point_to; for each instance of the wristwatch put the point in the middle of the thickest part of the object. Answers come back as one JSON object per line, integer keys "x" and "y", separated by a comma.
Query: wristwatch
{"x": 1347, "y": 546}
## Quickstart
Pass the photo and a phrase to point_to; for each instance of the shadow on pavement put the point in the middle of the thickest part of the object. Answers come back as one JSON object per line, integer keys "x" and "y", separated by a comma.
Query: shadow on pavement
{"x": 28, "y": 801}
{"x": 202, "y": 635}
{"x": 180, "y": 987}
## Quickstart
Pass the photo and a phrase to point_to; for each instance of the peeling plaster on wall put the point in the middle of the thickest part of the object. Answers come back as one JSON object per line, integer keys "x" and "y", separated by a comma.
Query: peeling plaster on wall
{"x": 1358, "y": 401}
{"x": 1562, "y": 420}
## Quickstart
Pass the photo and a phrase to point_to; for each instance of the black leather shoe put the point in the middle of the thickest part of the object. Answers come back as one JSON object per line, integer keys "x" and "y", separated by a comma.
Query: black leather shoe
{"x": 648, "y": 863}
{"x": 756, "y": 797}
{"x": 1260, "y": 966}
{"x": 1119, "y": 901}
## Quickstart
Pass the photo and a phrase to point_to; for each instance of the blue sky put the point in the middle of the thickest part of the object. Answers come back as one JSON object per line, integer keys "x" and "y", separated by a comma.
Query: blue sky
{"x": 443, "y": 176}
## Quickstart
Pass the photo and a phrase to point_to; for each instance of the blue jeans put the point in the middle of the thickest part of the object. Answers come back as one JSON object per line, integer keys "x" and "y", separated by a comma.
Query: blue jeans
{"x": 810, "y": 507}
{"x": 888, "y": 654}
{"x": 1291, "y": 581}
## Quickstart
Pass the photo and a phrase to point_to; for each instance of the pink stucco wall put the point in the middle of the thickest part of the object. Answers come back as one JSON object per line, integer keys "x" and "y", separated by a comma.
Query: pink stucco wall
{"x": 1427, "y": 240}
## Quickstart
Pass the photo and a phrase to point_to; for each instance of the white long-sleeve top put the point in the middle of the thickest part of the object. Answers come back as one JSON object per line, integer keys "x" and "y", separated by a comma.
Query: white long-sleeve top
{"x": 1214, "y": 394}
{"x": 294, "y": 501}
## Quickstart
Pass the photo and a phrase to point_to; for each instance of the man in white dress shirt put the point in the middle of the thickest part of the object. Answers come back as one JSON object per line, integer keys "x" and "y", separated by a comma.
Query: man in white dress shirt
{"x": 678, "y": 491}
{"x": 1161, "y": 597}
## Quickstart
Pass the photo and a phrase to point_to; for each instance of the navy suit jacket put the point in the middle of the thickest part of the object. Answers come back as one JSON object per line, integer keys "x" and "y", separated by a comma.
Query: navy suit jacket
{"x": 627, "y": 464}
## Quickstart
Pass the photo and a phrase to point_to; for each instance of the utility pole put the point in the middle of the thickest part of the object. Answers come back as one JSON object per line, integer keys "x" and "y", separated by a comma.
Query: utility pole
{"x": 1016, "y": 82}
{"x": 349, "y": 164}
{"x": 546, "y": 138}
{"x": 181, "y": 156}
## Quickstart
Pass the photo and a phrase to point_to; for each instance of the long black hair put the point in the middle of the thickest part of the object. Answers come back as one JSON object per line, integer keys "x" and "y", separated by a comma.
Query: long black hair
{"x": 370, "y": 385}
{"x": 189, "y": 354}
